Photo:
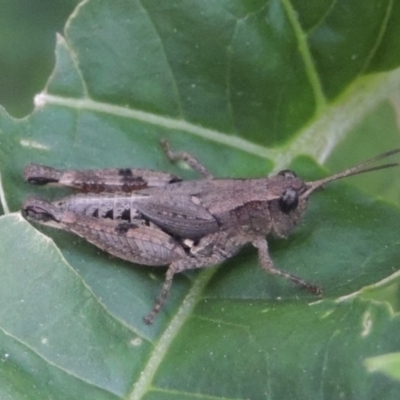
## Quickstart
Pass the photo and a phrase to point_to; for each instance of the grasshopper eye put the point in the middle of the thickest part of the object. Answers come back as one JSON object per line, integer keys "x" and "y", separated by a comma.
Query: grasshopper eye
{"x": 287, "y": 173}
{"x": 288, "y": 201}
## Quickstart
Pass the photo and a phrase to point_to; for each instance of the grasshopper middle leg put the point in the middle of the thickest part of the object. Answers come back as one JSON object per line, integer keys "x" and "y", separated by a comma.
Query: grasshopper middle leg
{"x": 193, "y": 162}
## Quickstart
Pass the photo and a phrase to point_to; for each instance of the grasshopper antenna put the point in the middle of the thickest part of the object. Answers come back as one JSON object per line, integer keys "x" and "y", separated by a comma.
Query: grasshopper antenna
{"x": 358, "y": 169}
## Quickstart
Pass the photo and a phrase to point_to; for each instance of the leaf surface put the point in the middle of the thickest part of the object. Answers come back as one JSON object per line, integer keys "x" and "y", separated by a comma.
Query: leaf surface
{"x": 247, "y": 87}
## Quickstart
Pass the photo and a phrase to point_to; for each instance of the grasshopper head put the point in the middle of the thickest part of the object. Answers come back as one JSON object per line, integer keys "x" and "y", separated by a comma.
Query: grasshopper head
{"x": 289, "y": 194}
{"x": 286, "y": 203}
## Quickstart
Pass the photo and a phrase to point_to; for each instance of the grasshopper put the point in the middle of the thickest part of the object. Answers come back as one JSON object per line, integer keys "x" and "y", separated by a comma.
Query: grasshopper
{"x": 154, "y": 218}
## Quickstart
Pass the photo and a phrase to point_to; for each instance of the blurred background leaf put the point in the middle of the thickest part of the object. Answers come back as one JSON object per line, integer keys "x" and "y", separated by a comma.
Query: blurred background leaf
{"x": 27, "y": 43}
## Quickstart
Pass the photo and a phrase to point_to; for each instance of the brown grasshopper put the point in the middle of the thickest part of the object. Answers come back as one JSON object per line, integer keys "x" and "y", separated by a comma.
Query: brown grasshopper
{"x": 155, "y": 218}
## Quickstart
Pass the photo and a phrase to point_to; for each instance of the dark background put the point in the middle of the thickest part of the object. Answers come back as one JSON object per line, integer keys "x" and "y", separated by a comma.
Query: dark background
{"x": 27, "y": 39}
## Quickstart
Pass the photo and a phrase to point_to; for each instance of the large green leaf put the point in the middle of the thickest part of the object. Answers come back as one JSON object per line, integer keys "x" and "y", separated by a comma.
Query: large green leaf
{"x": 246, "y": 86}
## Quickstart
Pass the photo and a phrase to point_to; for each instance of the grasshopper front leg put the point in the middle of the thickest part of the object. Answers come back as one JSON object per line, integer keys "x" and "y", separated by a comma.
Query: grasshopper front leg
{"x": 268, "y": 265}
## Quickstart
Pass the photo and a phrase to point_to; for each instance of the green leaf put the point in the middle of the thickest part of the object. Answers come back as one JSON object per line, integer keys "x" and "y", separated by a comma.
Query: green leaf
{"x": 388, "y": 364}
{"x": 247, "y": 87}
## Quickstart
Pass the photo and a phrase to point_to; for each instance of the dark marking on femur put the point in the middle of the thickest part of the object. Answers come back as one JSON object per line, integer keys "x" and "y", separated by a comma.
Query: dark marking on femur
{"x": 131, "y": 182}
{"x": 175, "y": 179}
{"x": 126, "y": 215}
{"x": 124, "y": 227}
{"x": 91, "y": 187}
{"x": 40, "y": 180}
{"x": 125, "y": 172}
{"x": 109, "y": 214}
